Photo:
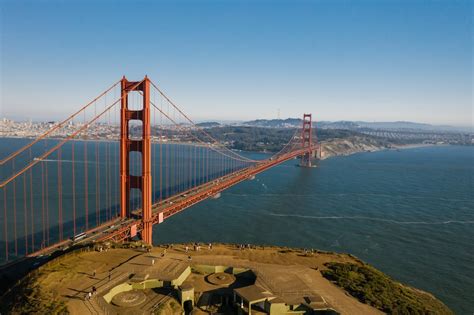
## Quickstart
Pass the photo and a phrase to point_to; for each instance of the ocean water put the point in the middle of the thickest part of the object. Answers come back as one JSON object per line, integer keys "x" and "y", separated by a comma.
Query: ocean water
{"x": 409, "y": 213}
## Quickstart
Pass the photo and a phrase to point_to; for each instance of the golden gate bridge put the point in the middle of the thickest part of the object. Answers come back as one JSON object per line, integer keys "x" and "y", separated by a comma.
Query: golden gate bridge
{"x": 127, "y": 160}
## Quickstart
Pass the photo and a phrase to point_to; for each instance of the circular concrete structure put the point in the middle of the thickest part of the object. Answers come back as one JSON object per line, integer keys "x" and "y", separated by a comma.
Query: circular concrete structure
{"x": 221, "y": 278}
{"x": 129, "y": 298}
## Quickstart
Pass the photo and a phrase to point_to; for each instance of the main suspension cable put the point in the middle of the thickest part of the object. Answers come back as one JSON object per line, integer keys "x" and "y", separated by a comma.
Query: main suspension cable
{"x": 61, "y": 143}
{"x": 59, "y": 125}
{"x": 194, "y": 124}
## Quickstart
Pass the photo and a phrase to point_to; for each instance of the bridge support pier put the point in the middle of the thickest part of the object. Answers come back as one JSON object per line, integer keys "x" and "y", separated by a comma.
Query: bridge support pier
{"x": 306, "y": 136}
{"x": 132, "y": 181}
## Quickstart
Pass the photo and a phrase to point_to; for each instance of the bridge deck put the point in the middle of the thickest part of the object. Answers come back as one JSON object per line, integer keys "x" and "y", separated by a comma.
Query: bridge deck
{"x": 120, "y": 229}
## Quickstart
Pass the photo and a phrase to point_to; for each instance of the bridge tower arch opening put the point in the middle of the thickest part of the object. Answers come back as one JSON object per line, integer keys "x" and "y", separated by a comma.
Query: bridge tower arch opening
{"x": 306, "y": 138}
{"x": 142, "y": 145}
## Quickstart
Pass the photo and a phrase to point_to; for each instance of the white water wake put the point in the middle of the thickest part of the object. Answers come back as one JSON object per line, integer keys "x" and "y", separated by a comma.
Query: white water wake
{"x": 370, "y": 219}
{"x": 350, "y": 195}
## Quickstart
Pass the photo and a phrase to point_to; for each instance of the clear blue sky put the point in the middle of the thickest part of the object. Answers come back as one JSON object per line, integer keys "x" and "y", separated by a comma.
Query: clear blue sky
{"x": 341, "y": 60}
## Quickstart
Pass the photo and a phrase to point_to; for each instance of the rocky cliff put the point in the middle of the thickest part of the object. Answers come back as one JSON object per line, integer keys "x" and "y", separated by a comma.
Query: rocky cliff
{"x": 351, "y": 145}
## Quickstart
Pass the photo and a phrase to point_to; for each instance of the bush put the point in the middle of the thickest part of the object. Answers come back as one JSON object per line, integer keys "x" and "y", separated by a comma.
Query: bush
{"x": 373, "y": 287}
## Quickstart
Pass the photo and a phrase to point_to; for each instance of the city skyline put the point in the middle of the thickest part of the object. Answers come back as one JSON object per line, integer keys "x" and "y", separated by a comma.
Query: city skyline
{"x": 367, "y": 61}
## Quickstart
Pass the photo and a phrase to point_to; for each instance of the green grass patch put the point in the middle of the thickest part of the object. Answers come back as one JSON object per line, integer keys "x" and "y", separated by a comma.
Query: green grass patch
{"x": 28, "y": 298}
{"x": 373, "y": 287}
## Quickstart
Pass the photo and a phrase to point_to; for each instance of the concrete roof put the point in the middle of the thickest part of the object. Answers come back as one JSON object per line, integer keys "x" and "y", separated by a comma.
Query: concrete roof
{"x": 276, "y": 300}
{"x": 139, "y": 277}
{"x": 316, "y": 302}
{"x": 316, "y": 298}
{"x": 254, "y": 293}
{"x": 167, "y": 269}
{"x": 186, "y": 286}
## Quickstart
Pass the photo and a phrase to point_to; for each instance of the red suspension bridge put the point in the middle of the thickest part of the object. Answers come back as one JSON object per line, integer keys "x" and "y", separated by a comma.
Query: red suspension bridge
{"x": 125, "y": 161}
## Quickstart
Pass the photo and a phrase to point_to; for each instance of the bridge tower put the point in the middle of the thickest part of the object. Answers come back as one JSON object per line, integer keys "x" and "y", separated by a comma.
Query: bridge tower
{"x": 306, "y": 138}
{"x": 143, "y": 146}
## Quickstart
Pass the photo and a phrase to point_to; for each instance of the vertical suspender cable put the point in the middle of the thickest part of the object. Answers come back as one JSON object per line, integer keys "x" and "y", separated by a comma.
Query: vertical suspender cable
{"x": 178, "y": 173}
{"x": 5, "y": 221}
{"x": 25, "y": 219}
{"x": 60, "y": 205}
{"x": 106, "y": 180}
{"x": 161, "y": 163}
{"x": 222, "y": 165}
{"x": 198, "y": 165}
{"x": 73, "y": 190}
{"x": 180, "y": 166}
{"x": 190, "y": 146}
{"x": 107, "y": 195}
{"x": 43, "y": 206}
{"x": 32, "y": 209}
{"x": 194, "y": 171}
{"x": 86, "y": 186}
{"x": 14, "y": 217}
{"x": 116, "y": 153}
{"x": 153, "y": 189}
{"x": 47, "y": 203}
{"x": 97, "y": 184}
{"x": 167, "y": 165}
{"x": 173, "y": 170}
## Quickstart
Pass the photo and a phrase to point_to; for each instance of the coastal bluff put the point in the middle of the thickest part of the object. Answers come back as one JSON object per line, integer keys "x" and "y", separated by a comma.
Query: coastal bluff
{"x": 351, "y": 145}
{"x": 200, "y": 278}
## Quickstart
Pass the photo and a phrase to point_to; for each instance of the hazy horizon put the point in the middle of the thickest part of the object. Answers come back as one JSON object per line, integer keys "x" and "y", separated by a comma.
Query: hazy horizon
{"x": 236, "y": 121}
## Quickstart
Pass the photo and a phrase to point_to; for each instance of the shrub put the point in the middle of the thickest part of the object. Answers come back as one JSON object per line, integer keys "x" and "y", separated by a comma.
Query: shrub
{"x": 373, "y": 287}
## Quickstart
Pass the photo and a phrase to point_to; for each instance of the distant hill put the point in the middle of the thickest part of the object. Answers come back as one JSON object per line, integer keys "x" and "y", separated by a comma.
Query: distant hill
{"x": 394, "y": 125}
{"x": 354, "y": 125}
{"x": 208, "y": 124}
{"x": 344, "y": 125}
{"x": 274, "y": 123}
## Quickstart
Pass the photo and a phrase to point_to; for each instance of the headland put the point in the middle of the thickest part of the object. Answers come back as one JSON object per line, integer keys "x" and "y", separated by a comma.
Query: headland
{"x": 209, "y": 278}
